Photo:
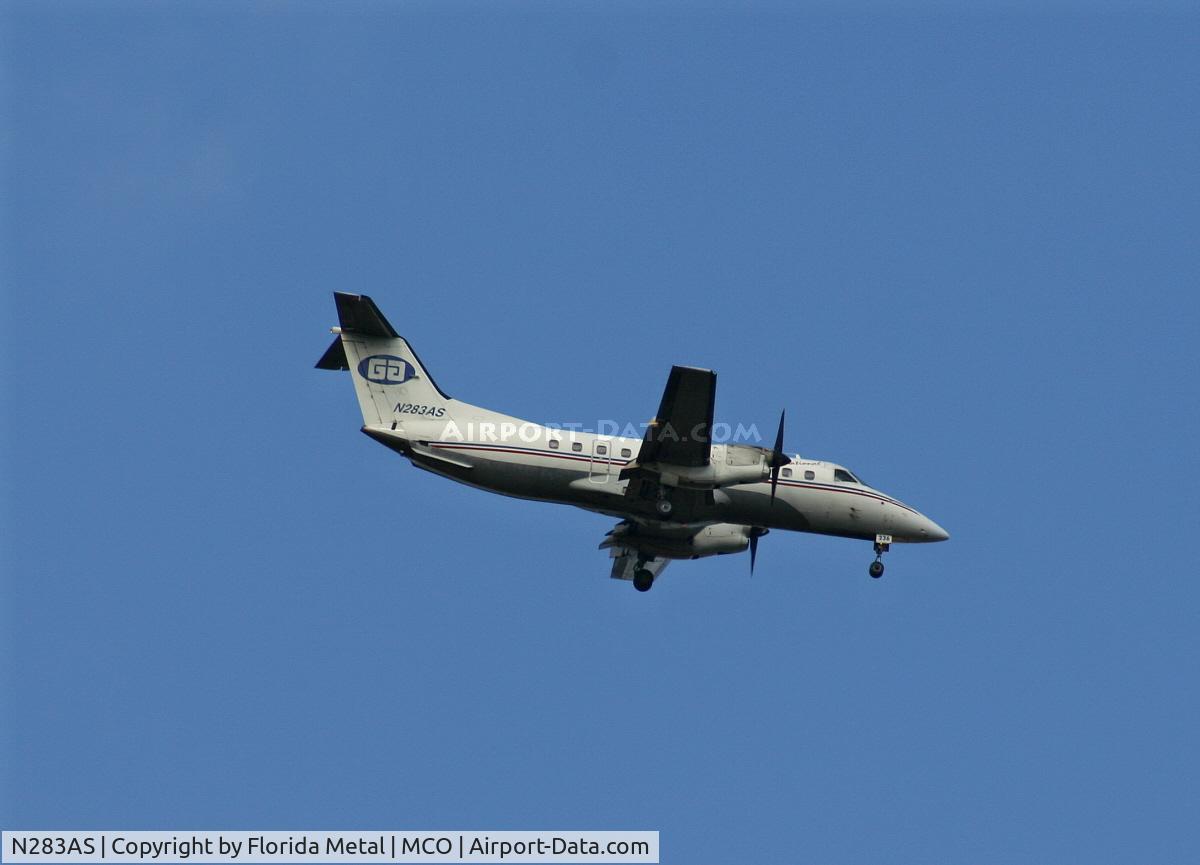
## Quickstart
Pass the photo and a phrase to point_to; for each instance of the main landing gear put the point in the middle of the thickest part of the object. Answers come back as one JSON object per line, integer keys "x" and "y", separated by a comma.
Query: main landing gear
{"x": 643, "y": 580}
{"x": 882, "y": 544}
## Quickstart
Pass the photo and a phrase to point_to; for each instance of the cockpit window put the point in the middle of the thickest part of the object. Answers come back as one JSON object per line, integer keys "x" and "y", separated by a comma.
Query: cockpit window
{"x": 843, "y": 475}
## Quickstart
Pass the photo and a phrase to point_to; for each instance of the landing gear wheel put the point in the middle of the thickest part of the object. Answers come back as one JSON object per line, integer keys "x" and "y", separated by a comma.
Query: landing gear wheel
{"x": 883, "y": 543}
{"x": 663, "y": 507}
{"x": 643, "y": 580}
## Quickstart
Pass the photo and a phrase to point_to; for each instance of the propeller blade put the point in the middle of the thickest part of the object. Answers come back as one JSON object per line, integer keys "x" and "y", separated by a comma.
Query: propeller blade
{"x": 779, "y": 435}
{"x": 755, "y": 534}
{"x": 778, "y": 458}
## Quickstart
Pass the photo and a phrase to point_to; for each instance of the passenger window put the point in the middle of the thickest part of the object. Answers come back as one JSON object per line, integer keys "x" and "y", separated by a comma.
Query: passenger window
{"x": 626, "y": 452}
{"x": 787, "y": 473}
{"x": 809, "y": 475}
{"x": 602, "y": 449}
{"x": 553, "y": 444}
{"x": 576, "y": 446}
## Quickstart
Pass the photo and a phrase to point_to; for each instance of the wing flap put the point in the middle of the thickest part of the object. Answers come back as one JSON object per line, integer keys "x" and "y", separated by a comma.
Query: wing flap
{"x": 625, "y": 562}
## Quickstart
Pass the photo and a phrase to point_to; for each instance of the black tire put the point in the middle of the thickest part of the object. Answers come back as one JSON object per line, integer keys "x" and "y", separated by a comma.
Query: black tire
{"x": 643, "y": 580}
{"x": 876, "y": 570}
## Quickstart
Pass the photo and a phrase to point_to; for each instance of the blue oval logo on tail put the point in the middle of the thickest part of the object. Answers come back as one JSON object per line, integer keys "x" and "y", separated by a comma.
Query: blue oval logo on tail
{"x": 386, "y": 369}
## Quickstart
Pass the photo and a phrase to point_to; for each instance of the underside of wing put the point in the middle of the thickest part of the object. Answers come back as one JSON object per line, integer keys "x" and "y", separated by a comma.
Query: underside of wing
{"x": 681, "y": 433}
{"x": 640, "y": 544}
{"x": 687, "y": 505}
{"x": 677, "y": 441}
{"x": 625, "y": 563}
{"x": 629, "y": 555}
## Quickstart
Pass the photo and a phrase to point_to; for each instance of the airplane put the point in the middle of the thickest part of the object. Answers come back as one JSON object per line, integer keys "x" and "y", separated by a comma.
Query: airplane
{"x": 676, "y": 493}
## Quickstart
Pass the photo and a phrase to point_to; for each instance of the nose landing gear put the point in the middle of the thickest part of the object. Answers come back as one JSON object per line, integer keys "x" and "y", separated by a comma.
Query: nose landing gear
{"x": 883, "y": 543}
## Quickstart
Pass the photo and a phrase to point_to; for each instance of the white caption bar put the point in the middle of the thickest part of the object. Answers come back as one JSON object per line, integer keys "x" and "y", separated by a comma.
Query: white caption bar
{"x": 306, "y": 846}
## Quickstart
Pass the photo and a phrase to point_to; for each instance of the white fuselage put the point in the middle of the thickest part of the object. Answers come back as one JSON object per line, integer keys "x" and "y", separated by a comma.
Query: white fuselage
{"x": 513, "y": 457}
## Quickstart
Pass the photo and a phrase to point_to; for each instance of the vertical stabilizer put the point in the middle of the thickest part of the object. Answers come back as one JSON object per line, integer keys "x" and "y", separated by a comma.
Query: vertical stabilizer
{"x": 389, "y": 379}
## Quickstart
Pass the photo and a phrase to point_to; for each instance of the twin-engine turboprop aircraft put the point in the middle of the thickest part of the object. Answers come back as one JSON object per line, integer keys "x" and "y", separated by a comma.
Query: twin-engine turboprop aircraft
{"x": 677, "y": 494}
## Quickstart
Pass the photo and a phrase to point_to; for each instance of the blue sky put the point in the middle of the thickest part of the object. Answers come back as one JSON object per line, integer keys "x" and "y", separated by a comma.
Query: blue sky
{"x": 958, "y": 247}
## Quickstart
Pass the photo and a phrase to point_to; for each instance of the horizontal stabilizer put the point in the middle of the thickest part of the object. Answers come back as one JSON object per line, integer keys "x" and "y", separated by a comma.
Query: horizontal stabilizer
{"x": 334, "y": 356}
{"x": 402, "y": 445}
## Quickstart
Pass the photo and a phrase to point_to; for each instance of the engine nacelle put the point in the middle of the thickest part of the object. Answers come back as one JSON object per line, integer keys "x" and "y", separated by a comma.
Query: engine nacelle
{"x": 728, "y": 465}
{"x": 714, "y": 540}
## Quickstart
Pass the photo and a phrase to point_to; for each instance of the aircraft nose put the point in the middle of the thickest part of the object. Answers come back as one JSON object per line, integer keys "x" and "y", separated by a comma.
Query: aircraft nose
{"x": 931, "y": 531}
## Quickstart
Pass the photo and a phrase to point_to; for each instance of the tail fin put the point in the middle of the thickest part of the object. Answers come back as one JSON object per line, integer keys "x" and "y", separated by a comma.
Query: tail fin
{"x": 389, "y": 379}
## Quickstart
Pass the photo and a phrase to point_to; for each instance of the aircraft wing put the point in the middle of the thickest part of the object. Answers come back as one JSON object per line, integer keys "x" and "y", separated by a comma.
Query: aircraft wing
{"x": 681, "y": 432}
{"x": 680, "y": 435}
{"x": 631, "y": 541}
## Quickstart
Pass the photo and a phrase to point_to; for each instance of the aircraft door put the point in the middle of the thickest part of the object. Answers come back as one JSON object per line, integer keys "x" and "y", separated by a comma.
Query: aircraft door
{"x": 601, "y": 463}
